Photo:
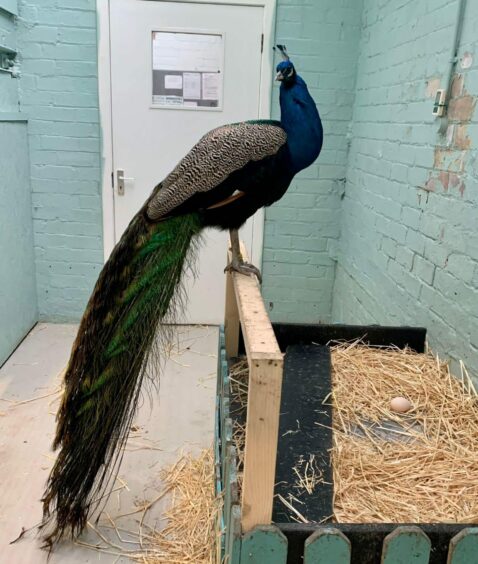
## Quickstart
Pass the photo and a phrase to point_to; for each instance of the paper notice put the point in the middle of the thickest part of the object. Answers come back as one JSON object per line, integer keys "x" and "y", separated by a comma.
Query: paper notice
{"x": 210, "y": 86}
{"x": 173, "y": 82}
{"x": 168, "y": 100}
{"x": 192, "y": 85}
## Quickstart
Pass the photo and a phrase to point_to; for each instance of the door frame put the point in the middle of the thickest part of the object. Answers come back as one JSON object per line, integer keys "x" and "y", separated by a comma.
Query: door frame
{"x": 105, "y": 107}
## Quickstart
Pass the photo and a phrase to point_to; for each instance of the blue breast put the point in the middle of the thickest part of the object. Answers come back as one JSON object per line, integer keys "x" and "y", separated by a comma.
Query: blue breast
{"x": 301, "y": 120}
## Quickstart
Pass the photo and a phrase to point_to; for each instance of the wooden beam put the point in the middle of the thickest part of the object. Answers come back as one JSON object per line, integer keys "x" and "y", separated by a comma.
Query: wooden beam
{"x": 231, "y": 321}
{"x": 260, "y": 452}
{"x": 265, "y": 383}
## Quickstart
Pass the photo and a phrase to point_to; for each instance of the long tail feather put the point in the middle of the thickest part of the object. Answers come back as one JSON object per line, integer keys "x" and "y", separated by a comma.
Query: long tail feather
{"x": 138, "y": 287}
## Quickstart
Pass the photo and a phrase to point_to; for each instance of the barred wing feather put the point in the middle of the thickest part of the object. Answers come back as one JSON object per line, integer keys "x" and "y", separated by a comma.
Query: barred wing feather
{"x": 216, "y": 156}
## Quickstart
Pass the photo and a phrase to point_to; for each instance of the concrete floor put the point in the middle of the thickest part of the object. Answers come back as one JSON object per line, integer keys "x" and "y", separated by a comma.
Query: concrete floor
{"x": 182, "y": 419}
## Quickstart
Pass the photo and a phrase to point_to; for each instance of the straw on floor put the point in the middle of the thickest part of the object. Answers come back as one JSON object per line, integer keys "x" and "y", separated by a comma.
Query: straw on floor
{"x": 192, "y": 531}
{"x": 191, "y": 534}
{"x": 421, "y": 466}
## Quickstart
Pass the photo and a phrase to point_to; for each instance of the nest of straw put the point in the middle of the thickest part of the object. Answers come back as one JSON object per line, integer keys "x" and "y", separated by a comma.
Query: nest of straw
{"x": 428, "y": 471}
{"x": 421, "y": 466}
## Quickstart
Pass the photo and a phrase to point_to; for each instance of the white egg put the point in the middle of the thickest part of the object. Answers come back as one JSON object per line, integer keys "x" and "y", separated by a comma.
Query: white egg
{"x": 400, "y": 405}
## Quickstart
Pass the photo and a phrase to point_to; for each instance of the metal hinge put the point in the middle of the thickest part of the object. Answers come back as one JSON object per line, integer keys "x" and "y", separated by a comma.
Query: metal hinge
{"x": 262, "y": 43}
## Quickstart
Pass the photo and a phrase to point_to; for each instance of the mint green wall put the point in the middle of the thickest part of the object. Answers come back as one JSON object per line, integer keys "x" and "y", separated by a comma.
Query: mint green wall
{"x": 409, "y": 224}
{"x": 59, "y": 91}
{"x": 382, "y": 229}
{"x": 302, "y": 230}
{"x": 18, "y": 307}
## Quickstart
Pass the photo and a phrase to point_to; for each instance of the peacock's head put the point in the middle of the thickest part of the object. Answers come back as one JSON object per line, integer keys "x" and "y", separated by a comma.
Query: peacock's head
{"x": 285, "y": 69}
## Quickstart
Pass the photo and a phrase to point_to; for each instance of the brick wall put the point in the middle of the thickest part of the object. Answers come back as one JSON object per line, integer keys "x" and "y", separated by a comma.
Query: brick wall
{"x": 59, "y": 92}
{"x": 409, "y": 227}
{"x": 18, "y": 303}
{"x": 302, "y": 230}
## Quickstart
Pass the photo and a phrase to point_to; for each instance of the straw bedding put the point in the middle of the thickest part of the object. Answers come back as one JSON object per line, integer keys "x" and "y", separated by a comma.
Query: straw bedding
{"x": 421, "y": 466}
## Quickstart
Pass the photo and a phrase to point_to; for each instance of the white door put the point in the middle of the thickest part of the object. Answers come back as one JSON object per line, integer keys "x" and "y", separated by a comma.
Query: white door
{"x": 152, "y": 133}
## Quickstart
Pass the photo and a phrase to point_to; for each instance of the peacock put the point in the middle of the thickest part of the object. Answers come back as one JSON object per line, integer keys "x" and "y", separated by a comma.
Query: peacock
{"x": 226, "y": 177}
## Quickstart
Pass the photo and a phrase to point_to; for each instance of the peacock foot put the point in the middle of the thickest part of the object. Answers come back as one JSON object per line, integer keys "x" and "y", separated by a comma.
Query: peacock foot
{"x": 244, "y": 268}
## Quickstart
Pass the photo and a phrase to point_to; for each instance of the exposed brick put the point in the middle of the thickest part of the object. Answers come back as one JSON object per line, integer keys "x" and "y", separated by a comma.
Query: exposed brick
{"x": 433, "y": 278}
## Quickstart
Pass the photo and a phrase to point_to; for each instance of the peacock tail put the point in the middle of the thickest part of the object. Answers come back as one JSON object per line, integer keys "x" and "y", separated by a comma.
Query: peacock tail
{"x": 121, "y": 333}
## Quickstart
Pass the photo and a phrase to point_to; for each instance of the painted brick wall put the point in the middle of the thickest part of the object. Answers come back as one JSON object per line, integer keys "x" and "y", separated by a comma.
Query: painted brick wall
{"x": 59, "y": 92}
{"x": 18, "y": 303}
{"x": 409, "y": 244}
{"x": 302, "y": 230}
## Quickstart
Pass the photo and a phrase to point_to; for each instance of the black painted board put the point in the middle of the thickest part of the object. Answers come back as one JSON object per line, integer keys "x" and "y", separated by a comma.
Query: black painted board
{"x": 367, "y": 539}
{"x": 304, "y": 432}
{"x": 296, "y": 333}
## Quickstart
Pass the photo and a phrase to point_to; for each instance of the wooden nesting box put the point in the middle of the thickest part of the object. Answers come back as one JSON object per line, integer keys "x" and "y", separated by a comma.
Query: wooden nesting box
{"x": 248, "y": 533}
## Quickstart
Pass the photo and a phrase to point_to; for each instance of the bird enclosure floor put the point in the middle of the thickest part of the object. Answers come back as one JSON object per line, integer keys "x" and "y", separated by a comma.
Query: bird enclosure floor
{"x": 180, "y": 420}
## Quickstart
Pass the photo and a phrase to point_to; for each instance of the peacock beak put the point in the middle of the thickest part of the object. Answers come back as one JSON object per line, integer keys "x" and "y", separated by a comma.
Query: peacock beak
{"x": 279, "y": 76}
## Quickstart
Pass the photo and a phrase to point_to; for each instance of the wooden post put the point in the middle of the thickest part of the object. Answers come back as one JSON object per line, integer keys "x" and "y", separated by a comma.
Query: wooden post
{"x": 265, "y": 382}
{"x": 231, "y": 321}
{"x": 260, "y": 452}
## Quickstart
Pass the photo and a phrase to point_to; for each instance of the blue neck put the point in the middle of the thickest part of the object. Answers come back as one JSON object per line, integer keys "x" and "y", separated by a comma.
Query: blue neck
{"x": 301, "y": 120}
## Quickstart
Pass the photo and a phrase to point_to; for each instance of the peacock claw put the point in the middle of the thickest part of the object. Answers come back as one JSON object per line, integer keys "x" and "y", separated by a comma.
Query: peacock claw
{"x": 244, "y": 268}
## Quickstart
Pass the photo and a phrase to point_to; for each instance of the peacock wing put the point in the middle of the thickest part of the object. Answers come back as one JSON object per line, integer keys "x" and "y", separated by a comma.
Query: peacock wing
{"x": 217, "y": 155}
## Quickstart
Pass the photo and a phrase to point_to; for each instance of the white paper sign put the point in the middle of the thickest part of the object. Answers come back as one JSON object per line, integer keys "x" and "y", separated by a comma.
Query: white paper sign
{"x": 173, "y": 82}
{"x": 187, "y": 51}
{"x": 192, "y": 85}
{"x": 210, "y": 86}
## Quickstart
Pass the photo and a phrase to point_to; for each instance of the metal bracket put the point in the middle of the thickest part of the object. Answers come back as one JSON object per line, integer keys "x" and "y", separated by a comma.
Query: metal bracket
{"x": 7, "y": 60}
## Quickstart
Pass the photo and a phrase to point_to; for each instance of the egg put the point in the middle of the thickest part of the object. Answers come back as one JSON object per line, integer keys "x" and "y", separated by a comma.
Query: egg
{"x": 400, "y": 405}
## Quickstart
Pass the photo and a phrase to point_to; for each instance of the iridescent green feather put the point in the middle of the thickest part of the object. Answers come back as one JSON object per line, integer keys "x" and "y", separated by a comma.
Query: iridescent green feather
{"x": 118, "y": 337}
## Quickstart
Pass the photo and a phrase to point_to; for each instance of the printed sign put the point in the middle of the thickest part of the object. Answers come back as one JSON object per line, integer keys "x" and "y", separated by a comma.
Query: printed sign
{"x": 187, "y": 69}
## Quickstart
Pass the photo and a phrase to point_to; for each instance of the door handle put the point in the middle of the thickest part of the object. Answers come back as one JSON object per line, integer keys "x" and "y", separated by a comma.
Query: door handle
{"x": 121, "y": 181}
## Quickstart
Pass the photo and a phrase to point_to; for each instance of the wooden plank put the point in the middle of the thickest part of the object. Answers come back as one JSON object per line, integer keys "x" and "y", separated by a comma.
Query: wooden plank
{"x": 229, "y": 478}
{"x": 327, "y": 546}
{"x": 264, "y": 545}
{"x": 225, "y": 477}
{"x": 260, "y": 451}
{"x": 223, "y": 374}
{"x": 406, "y": 545}
{"x": 464, "y": 547}
{"x": 231, "y": 321}
{"x": 233, "y": 485}
{"x": 220, "y": 357}
{"x": 233, "y": 537}
{"x": 367, "y": 539}
{"x": 265, "y": 381}
{"x": 225, "y": 400}
{"x": 259, "y": 337}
